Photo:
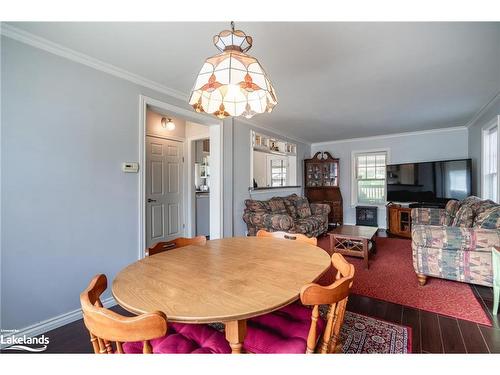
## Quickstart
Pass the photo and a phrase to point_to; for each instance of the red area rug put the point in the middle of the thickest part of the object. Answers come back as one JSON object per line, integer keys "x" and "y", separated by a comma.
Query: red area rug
{"x": 391, "y": 277}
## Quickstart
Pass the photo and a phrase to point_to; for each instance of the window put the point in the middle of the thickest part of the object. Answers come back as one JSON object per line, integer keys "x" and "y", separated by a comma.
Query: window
{"x": 369, "y": 177}
{"x": 490, "y": 163}
{"x": 278, "y": 172}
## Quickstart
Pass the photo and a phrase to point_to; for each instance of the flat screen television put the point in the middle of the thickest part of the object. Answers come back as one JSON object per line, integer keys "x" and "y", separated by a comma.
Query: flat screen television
{"x": 432, "y": 183}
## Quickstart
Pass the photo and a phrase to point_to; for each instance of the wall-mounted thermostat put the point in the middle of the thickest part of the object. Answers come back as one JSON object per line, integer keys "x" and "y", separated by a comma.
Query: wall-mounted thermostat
{"x": 130, "y": 167}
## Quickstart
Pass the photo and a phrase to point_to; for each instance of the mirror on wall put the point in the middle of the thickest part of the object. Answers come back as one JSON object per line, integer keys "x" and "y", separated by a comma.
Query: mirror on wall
{"x": 274, "y": 162}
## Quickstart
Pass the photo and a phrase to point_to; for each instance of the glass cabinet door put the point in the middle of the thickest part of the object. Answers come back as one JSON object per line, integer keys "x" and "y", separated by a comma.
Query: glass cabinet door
{"x": 330, "y": 174}
{"x": 314, "y": 175}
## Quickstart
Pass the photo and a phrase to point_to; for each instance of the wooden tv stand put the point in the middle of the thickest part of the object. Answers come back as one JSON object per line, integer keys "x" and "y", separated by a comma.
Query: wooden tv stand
{"x": 399, "y": 220}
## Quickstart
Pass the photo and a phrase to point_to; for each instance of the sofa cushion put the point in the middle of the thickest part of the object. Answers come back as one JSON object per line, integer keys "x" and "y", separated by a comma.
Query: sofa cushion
{"x": 309, "y": 225}
{"x": 277, "y": 206}
{"x": 303, "y": 209}
{"x": 290, "y": 205}
{"x": 470, "y": 200}
{"x": 454, "y": 238}
{"x": 481, "y": 207}
{"x": 489, "y": 218}
{"x": 257, "y": 206}
{"x": 464, "y": 217}
{"x": 451, "y": 210}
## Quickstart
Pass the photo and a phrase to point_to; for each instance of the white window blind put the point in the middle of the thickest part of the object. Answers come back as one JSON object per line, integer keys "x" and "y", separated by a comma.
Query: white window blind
{"x": 490, "y": 163}
{"x": 369, "y": 177}
{"x": 278, "y": 172}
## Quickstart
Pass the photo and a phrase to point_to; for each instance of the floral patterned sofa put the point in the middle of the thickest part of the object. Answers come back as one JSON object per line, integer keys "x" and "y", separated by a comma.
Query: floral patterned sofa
{"x": 291, "y": 214}
{"x": 455, "y": 243}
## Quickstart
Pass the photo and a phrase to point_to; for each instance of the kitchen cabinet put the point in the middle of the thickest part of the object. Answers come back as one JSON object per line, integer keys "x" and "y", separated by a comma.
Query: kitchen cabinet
{"x": 202, "y": 214}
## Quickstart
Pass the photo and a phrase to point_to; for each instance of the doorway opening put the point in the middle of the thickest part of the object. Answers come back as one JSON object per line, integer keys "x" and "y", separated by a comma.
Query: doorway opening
{"x": 179, "y": 194}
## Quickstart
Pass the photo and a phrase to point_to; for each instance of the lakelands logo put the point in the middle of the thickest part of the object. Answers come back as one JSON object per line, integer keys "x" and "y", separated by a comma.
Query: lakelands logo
{"x": 25, "y": 343}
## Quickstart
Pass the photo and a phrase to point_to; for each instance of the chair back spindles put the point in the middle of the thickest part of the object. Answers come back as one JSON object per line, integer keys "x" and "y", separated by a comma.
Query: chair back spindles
{"x": 106, "y": 327}
{"x": 334, "y": 295}
{"x": 288, "y": 236}
{"x": 160, "y": 247}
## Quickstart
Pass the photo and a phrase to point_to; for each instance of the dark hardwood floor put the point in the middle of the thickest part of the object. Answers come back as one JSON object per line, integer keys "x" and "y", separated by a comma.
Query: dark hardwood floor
{"x": 431, "y": 333}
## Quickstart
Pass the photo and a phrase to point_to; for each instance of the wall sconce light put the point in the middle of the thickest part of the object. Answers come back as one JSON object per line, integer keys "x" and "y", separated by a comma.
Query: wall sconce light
{"x": 167, "y": 123}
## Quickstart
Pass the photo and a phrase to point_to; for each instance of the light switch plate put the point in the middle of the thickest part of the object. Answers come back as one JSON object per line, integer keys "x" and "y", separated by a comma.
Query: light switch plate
{"x": 130, "y": 167}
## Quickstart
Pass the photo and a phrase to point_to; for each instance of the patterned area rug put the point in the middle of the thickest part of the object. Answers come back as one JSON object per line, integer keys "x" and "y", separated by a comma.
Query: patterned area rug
{"x": 391, "y": 277}
{"x": 364, "y": 335}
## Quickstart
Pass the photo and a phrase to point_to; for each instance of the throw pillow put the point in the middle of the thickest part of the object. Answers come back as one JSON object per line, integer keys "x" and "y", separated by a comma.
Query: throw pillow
{"x": 303, "y": 208}
{"x": 464, "y": 217}
{"x": 451, "y": 210}
{"x": 277, "y": 206}
{"x": 256, "y": 206}
{"x": 290, "y": 205}
{"x": 482, "y": 206}
{"x": 488, "y": 219}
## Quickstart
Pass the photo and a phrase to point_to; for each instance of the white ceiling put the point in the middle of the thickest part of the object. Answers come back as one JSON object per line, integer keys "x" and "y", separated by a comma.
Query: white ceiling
{"x": 333, "y": 80}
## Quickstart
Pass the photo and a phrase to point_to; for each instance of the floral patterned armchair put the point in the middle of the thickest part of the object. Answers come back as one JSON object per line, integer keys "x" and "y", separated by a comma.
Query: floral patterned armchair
{"x": 291, "y": 214}
{"x": 455, "y": 243}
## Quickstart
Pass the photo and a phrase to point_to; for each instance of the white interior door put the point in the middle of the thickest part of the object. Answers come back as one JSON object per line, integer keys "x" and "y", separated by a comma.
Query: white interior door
{"x": 164, "y": 218}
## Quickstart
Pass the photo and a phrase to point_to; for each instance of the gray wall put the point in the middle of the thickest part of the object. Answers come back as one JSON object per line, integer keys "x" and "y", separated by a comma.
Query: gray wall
{"x": 68, "y": 211}
{"x": 446, "y": 144}
{"x": 241, "y": 171}
{"x": 485, "y": 118}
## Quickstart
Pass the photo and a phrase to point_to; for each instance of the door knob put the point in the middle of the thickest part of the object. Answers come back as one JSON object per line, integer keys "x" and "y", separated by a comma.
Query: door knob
{"x": 151, "y": 200}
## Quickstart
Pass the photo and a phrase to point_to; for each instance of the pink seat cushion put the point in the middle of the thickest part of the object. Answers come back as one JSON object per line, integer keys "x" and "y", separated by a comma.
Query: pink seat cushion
{"x": 185, "y": 339}
{"x": 282, "y": 331}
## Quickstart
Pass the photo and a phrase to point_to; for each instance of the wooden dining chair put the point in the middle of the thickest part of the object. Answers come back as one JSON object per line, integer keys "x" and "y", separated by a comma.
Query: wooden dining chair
{"x": 297, "y": 328}
{"x": 288, "y": 236}
{"x": 146, "y": 333}
{"x": 334, "y": 295}
{"x": 106, "y": 326}
{"x": 174, "y": 244}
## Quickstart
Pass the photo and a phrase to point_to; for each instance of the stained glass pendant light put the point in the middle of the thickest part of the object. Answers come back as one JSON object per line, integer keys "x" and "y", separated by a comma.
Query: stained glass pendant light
{"x": 232, "y": 83}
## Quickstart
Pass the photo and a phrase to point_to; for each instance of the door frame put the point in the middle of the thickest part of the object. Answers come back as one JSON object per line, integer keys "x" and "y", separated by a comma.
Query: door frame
{"x": 216, "y": 188}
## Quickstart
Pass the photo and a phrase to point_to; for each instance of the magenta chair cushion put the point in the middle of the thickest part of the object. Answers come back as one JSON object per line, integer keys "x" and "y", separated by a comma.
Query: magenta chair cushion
{"x": 185, "y": 339}
{"x": 282, "y": 331}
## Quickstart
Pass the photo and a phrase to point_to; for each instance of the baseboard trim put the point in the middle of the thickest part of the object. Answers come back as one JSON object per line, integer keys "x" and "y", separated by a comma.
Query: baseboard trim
{"x": 53, "y": 323}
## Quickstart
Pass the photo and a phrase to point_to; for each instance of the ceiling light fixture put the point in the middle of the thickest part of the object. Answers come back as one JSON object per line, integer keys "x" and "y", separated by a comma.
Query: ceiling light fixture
{"x": 232, "y": 83}
{"x": 169, "y": 125}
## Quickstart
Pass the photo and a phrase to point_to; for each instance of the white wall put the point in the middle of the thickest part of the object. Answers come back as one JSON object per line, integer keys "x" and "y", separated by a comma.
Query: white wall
{"x": 68, "y": 211}
{"x": 488, "y": 114}
{"x": 238, "y": 134}
{"x": 154, "y": 126}
{"x": 260, "y": 168}
{"x": 196, "y": 131}
{"x": 412, "y": 147}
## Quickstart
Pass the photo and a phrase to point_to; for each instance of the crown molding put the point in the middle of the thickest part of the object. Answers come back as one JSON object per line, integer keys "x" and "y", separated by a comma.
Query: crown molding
{"x": 59, "y": 50}
{"x": 483, "y": 109}
{"x": 392, "y": 135}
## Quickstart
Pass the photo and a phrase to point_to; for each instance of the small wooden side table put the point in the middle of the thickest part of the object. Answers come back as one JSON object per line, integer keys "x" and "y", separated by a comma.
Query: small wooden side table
{"x": 353, "y": 240}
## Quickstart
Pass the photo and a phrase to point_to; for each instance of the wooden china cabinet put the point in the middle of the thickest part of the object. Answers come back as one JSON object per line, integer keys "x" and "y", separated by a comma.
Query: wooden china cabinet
{"x": 321, "y": 175}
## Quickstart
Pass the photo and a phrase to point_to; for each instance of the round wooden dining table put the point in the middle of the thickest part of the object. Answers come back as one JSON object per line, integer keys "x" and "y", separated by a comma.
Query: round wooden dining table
{"x": 225, "y": 281}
